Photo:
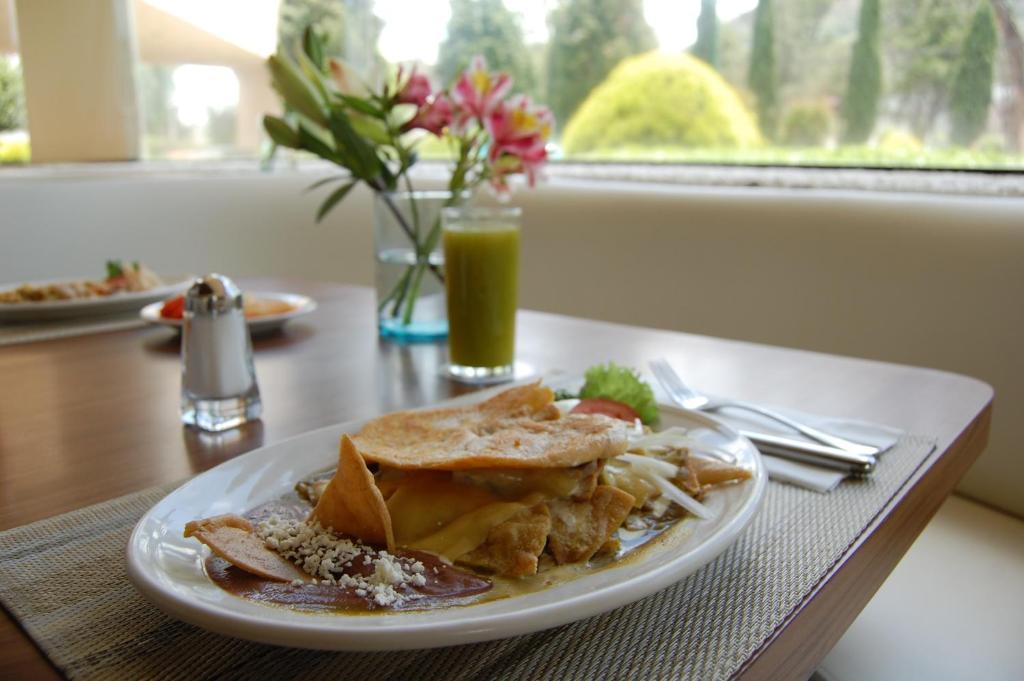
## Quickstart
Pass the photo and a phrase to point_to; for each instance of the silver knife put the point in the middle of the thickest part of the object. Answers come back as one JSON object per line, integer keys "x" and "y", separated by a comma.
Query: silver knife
{"x": 812, "y": 452}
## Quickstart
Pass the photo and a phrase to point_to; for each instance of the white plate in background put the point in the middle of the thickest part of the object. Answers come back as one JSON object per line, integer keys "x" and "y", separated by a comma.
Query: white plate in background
{"x": 300, "y": 305}
{"x": 45, "y": 310}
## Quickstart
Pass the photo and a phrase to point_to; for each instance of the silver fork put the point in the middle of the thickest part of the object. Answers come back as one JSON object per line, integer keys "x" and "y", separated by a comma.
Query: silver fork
{"x": 689, "y": 398}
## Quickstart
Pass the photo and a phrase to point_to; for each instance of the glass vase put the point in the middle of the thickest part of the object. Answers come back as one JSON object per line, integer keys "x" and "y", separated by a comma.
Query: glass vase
{"x": 410, "y": 265}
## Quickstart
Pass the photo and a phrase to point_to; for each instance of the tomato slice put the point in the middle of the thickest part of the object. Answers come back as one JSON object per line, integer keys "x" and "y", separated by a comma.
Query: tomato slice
{"x": 173, "y": 308}
{"x": 613, "y": 408}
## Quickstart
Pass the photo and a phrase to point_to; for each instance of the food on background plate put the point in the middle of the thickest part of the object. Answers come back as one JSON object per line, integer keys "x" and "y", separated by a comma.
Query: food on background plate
{"x": 255, "y": 307}
{"x": 461, "y": 505}
{"x": 131, "y": 278}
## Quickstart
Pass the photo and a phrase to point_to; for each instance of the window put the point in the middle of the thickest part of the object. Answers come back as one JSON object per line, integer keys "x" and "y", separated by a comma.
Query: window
{"x": 14, "y": 147}
{"x": 901, "y": 83}
{"x": 886, "y": 83}
{"x": 201, "y": 81}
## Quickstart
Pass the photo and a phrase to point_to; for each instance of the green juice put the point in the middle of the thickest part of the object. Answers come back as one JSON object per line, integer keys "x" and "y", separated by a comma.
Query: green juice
{"x": 481, "y": 265}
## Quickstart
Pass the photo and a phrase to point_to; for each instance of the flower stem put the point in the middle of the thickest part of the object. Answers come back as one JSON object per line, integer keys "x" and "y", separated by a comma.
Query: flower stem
{"x": 414, "y": 292}
{"x": 405, "y": 228}
{"x": 400, "y": 287}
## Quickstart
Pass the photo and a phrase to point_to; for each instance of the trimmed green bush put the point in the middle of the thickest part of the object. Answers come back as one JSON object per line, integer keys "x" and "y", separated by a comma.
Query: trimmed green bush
{"x": 898, "y": 140}
{"x": 14, "y": 151}
{"x": 655, "y": 100}
{"x": 807, "y": 124}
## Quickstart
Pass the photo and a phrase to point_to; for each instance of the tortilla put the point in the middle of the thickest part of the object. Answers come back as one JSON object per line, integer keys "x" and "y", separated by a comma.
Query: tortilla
{"x": 351, "y": 503}
{"x": 518, "y": 428}
{"x": 231, "y": 538}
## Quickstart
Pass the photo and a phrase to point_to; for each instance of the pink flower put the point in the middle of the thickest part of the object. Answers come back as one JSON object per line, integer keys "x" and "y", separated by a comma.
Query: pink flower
{"x": 478, "y": 92}
{"x": 433, "y": 116}
{"x": 416, "y": 90}
{"x": 519, "y": 133}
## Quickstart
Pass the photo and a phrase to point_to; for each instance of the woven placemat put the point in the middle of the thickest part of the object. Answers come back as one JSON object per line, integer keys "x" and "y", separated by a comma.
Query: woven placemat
{"x": 64, "y": 580}
{"x": 30, "y": 332}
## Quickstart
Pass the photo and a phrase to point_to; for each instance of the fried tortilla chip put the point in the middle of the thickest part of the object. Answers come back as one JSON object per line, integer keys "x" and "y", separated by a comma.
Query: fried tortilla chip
{"x": 351, "y": 503}
{"x": 518, "y": 428}
{"x": 712, "y": 472}
{"x": 513, "y": 547}
{"x": 231, "y": 537}
{"x": 580, "y": 528}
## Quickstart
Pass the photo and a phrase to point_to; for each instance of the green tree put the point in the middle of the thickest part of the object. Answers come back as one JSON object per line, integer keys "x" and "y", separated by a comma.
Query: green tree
{"x": 488, "y": 28}
{"x": 588, "y": 39}
{"x": 923, "y": 41}
{"x": 972, "y": 85}
{"x": 349, "y": 29}
{"x": 811, "y": 41}
{"x": 864, "y": 85}
{"x": 12, "y": 96}
{"x": 706, "y": 47}
{"x": 762, "y": 76}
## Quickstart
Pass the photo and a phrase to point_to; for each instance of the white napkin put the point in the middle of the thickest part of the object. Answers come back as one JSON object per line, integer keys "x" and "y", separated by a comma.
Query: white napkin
{"x": 802, "y": 474}
{"x": 808, "y": 476}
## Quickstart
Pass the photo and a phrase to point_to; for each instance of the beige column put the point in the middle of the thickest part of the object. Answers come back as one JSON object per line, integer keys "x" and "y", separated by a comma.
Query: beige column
{"x": 78, "y": 59}
{"x": 255, "y": 98}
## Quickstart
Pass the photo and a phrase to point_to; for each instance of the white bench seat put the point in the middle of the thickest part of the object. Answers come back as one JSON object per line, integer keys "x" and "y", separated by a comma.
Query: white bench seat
{"x": 952, "y": 609}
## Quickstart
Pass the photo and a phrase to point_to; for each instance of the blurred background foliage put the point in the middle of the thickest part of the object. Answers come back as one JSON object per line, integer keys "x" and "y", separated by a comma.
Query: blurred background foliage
{"x": 880, "y": 82}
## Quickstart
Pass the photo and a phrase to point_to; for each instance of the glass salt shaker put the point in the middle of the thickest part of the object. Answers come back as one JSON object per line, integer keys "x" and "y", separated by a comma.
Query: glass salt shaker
{"x": 218, "y": 380}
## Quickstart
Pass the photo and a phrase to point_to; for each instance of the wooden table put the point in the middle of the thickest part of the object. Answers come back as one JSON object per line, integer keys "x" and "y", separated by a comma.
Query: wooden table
{"x": 91, "y": 418}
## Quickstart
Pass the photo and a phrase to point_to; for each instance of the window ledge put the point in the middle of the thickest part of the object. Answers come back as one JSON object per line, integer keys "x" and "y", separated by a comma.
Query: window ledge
{"x": 944, "y": 182}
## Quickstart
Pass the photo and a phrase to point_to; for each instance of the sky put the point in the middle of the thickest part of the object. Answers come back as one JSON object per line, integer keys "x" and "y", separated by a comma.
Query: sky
{"x": 413, "y": 30}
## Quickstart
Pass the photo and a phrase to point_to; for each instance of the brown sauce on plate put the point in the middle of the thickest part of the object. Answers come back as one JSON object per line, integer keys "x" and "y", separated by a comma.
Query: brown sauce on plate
{"x": 446, "y": 585}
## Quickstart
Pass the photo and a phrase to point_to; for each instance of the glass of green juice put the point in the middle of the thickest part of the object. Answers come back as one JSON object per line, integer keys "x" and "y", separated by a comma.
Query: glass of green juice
{"x": 481, "y": 264}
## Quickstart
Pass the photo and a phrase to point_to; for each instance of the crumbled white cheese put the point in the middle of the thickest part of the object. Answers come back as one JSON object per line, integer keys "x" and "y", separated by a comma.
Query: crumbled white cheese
{"x": 324, "y": 555}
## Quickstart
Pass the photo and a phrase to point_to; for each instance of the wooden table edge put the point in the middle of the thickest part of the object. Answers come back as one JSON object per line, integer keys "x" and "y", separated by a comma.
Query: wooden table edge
{"x": 797, "y": 647}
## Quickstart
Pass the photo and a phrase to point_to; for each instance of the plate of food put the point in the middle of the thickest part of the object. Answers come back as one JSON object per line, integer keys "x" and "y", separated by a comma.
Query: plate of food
{"x": 127, "y": 286}
{"x": 263, "y": 311}
{"x": 503, "y": 513}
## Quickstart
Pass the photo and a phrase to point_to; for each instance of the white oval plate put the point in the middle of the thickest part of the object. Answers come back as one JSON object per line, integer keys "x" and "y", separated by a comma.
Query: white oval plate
{"x": 300, "y": 305}
{"x": 168, "y": 569}
{"x": 45, "y": 310}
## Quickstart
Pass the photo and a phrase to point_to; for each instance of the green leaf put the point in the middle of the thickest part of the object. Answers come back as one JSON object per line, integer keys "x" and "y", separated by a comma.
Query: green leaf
{"x": 326, "y": 180}
{"x": 332, "y": 200}
{"x": 370, "y": 128}
{"x": 114, "y": 269}
{"x": 361, "y": 105}
{"x": 402, "y": 114}
{"x": 621, "y": 384}
{"x": 311, "y": 142}
{"x": 390, "y": 181}
{"x": 295, "y": 90}
{"x": 314, "y": 76}
{"x": 282, "y": 133}
{"x": 313, "y": 47}
{"x": 365, "y": 164}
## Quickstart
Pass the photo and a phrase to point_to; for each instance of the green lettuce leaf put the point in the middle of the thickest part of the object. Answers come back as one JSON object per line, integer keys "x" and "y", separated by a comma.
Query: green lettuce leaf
{"x": 624, "y": 385}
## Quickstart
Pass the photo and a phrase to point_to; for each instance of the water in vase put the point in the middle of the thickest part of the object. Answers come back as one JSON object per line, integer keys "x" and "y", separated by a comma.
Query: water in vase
{"x": 429, "y": 319}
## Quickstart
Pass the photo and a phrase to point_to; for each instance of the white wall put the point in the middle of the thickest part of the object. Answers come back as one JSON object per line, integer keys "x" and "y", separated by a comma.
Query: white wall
{"x": 916, "y": 279}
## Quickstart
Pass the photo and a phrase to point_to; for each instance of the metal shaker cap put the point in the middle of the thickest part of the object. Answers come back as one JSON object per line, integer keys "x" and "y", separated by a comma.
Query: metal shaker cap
{"x": 213, "y": 293}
